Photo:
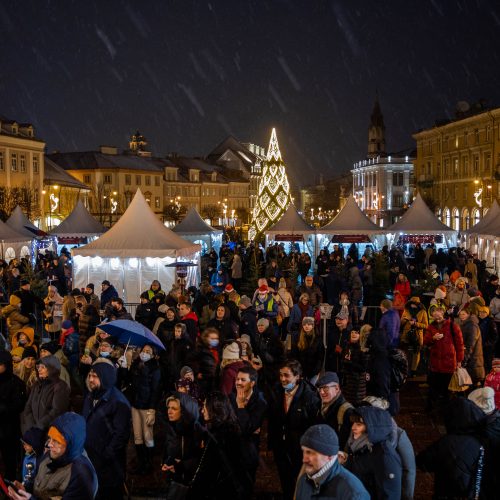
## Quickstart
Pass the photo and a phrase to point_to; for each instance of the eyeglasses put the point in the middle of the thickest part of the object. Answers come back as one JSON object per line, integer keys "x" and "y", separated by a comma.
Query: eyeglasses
{"x": 52, "y": 443}
{"x": 324, "y": 388}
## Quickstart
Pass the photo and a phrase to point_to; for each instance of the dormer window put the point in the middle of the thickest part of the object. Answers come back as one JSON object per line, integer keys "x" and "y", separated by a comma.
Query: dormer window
{"x": 194, "y": 176}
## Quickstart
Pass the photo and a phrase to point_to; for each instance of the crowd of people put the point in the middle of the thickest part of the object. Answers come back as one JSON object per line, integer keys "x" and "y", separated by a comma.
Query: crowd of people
{"x": 248, "y": 364}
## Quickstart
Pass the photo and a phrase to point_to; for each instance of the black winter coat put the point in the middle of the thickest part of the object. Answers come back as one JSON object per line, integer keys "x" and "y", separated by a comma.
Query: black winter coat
{"x": 379, "y": 365}
{"x": 354, "y": 363}
{"x": 311, "y": 358}
{"x": 226, "y": 327}
{"x": 145, "y": 387}
{"x": 331, "y": 418}
{"x": 336, "y": 341}
{"x": 146, "y": 314}
{"x": 378, "y": 464}
{"x": 248, "y": 324}
{"x": 174, "y": 357}
{"x": 270, "y": 349}
{"x": 202, "y": 361}
{"x": 454, "y": 457}
{"x": 473, "y": 349}
{"x": 107, "y": 413}
{"x": 12, "y": 400}
{"x": 286, "y": 429}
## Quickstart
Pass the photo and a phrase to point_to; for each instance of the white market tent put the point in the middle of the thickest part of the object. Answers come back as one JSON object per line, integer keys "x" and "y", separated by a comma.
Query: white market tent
{"x": 483, "y": 237}
{"x": 194, "y": 228}
{"x": 133, "y": 253}
{"x": 20, "y": 223}
{"x": 78, "y": 224}
{"x": 293, "y": 228}
{"x": 352, "y": 225}
{"x": 14, "y": 244}
{"x": 420, "y": 220}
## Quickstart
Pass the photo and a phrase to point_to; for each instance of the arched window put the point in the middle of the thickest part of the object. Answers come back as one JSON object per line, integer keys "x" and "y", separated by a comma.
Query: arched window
{"x": 455, "y": 219}
{"x": 465, "y": 218}
{"x": 447, "y": 216}
{"x": 476, "y": 216}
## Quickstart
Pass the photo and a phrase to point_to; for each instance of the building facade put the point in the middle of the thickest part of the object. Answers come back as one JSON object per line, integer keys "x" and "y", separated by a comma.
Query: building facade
{"x": 21, "y": 168}
{"x": 383, "y": 183}
{"x": 457, "y": 168}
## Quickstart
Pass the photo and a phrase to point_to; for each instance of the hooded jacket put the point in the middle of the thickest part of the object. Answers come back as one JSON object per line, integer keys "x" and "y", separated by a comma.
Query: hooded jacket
{"x": 377, "y": 464}
{"x": 107, "y": 414}
{"x": 107, "y": 295}
{"x": 453, "y": 458}
{"x": 72, "y": 476}
{"x": 48, "y": 398}
{"x": 182, "y": 440}
{"x": 473, "y": 348}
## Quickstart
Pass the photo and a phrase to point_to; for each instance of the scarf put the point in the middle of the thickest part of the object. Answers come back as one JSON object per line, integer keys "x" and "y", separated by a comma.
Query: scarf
{"x": 319, "y": 476}
{"x": 355, "y": 445}
{"x": 304, "y": 308}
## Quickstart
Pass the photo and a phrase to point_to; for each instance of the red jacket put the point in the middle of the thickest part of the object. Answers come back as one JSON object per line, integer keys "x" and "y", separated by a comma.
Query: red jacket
{"x": 447, "y": 352}
{"x": 404, "y": 289}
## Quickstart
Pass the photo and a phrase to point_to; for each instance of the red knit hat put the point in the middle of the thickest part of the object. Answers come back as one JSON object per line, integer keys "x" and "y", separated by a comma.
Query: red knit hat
{"x": 263, "y": 289}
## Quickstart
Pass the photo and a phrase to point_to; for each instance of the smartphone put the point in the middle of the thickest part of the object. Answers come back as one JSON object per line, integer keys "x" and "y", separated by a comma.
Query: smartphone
{"x": 11, "y": 484}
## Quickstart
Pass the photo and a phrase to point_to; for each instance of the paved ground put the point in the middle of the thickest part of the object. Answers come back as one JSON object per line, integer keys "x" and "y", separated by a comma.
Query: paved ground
{"x": 419, "y": 426}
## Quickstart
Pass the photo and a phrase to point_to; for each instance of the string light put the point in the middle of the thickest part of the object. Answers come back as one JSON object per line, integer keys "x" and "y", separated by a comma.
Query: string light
{"x": 273, "y": 193}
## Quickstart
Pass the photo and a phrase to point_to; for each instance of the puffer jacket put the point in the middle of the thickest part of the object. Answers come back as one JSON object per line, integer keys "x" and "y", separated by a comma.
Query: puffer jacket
{"x": 48, "y": 398}
{"x": 15, "y": 319}
{"x": 447, "y": 352}
{"x": 473, "y": 349}
{"x": 71, "y": 476}
{"x": 377, "y": 464}
{"x": 145, "y": 384}
{"x": 107, "y": 414}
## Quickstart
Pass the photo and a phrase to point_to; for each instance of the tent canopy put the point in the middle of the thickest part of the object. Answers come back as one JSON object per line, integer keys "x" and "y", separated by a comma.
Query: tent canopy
{"x": 20, "y": 223}
{"x": 138, "y": 233}
{"x": 78, "y": 224}
{"x": 193, "y": 224}
{"x": 8, "y": 234}
{"x": 291, "y": 223}
{"x": 351, "y": 220}
{"x": 419, "y": 219}
{"x": 490, "y": 220}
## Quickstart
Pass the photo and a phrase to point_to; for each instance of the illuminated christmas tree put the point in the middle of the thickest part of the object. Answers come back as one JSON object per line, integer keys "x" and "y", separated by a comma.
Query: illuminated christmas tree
{"x": 274, "y": 191}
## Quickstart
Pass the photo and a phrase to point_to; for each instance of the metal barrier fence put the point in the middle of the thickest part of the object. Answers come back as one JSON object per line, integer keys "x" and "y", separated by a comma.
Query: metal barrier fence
{"x": 131, "y": 307}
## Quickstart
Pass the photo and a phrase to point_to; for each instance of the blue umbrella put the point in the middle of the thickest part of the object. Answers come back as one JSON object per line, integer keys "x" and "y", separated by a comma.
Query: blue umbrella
{"x": 131, "y": 332}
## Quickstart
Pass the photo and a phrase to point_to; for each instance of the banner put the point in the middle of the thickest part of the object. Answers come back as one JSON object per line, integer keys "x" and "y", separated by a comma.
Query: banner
{"x": 421, "y": 238}
{"x": 288, "y": 237}
{"x": 350, "y": 238}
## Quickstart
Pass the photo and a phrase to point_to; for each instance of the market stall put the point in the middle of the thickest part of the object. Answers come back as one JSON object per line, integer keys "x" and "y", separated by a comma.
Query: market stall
{"x": 293, "y": 230}
{"x": 13, "y": 244}
{"x": 194, "y": 228}
{"x": 419, "y": 225}
{"x": 134, "y": 252}
{"x": 349, "y": 226}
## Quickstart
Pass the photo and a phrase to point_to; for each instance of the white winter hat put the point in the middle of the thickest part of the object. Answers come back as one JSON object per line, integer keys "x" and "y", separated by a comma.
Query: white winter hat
{"x": 231, "y": 351}
{"x": 484, "y": 398}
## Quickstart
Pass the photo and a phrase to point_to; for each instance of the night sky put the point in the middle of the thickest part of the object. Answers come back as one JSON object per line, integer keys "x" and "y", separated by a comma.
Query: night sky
{"x": 188, "y": 73}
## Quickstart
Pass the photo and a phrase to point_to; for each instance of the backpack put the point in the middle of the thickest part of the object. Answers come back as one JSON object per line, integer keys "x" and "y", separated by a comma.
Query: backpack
{"x": 399, "y": 368}
{"x": 340, "y": 414}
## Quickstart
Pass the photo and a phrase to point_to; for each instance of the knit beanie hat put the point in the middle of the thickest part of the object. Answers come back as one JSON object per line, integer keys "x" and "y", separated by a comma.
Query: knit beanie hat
{"x": 185, "y": 370}
{"x": 231, "y": 351}
{"x": 51, "y": 347}
{"x": 484, "y": 398}
{"x": 29, "y": 352}
{"x": 66, "y": 324}
{"x": 263, "y": 322}
{"x": 321, "y": 438}
{"x": 308, "y": 320}
{"x": 245, "y": 301}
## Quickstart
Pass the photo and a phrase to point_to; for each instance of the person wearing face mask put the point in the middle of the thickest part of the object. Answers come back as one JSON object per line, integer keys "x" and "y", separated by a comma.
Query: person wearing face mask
{"x": 145, "y": 390}
{"x": 107, "y": 415}
{"x": 205, "y": 358}
{"x": 292, "y": 409}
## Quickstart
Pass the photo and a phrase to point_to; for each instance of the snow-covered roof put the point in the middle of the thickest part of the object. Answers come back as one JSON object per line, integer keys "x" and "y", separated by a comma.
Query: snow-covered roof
{"x": 138, "y": 233}
{"x": 78, "y": 224}
{"x": 194, "y": 224}
{"x": 351, "y": 220}
{"x": 291, "y": 223}
{"x": 419, "y": 219}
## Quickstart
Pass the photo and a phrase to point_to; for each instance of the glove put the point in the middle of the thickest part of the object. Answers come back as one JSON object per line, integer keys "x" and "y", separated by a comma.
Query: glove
{"x": 122, "y": 362}
{"x": 150, "y": 417}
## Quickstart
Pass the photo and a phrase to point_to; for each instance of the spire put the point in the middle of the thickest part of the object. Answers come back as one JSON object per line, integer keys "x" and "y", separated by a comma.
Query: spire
{"x": 273, "y": 152}
{"x": 376, "y": 132}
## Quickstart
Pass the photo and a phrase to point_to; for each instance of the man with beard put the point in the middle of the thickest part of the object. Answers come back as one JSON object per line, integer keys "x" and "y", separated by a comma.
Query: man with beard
{"x": 91, "y": 297}
{"x": 107, "y": 413}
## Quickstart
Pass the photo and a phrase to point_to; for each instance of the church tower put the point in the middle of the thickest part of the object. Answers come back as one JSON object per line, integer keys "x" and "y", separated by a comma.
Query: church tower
{"x": 376, "y": 133}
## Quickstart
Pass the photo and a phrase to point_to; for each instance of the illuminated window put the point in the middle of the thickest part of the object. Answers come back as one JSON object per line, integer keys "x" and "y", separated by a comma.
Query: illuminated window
{"x": 35, "y": 164}
{"x": 13, "y": 162}
{"x": 22, "y": 163}
{"x": 138, "y": 180}
{"x": 107, "y": 179}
